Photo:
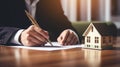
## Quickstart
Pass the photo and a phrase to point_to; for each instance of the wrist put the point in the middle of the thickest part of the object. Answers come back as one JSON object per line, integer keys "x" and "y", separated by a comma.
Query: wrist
{"x": 16, "y": 38}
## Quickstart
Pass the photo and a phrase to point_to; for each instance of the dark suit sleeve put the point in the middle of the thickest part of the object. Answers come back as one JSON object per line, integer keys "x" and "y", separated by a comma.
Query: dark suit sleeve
{"x": 63, "y": 22}
{"x": 12, "y": 18}
{"x": 7, "y": 26}
{"x": 6, "y": 33}
{"x": 52, "y": 17}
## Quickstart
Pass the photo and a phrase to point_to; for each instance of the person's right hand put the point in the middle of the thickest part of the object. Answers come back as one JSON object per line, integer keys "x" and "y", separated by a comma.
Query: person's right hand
{"x": 34, "y": 36}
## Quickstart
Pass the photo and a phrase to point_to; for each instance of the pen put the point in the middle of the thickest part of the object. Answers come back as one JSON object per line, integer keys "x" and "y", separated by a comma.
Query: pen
{"x": 34, "y": 22}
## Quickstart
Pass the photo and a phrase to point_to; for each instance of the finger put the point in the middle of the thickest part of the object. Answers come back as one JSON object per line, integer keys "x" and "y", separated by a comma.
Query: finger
{"x": 70, "y": 38}
{"x": 38, "y": 36}
{"x": 38, "y": 42}
{"x": 30, "y": 28}
{"x": 59, "y": 40}
{"x": 64, "y": 37}
{"x": 42, "y": 32}
{"x": 29, "y": 41}
{"x": 73, "y": 41}
{"x": 33, "y": 41}
{"x": 32, "y": 32}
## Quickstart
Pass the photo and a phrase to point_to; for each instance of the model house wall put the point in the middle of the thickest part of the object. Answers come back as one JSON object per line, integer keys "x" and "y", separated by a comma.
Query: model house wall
{"x": 99, "y": 36}
{"x": 92, "y": 38}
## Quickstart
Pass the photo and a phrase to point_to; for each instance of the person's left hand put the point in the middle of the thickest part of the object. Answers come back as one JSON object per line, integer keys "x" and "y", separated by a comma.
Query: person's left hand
{"x": 67, "y": 37}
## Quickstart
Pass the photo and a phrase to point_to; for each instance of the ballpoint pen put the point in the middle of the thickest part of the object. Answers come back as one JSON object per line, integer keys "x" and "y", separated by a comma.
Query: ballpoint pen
{"x": 34, "y": 22}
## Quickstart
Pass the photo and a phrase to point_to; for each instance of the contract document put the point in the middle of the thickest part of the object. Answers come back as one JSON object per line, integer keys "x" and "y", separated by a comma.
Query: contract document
{"x": 48, "y": 47}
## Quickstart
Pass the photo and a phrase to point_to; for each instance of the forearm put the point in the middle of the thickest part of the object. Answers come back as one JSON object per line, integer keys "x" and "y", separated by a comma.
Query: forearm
{"x": 6, "y": 33}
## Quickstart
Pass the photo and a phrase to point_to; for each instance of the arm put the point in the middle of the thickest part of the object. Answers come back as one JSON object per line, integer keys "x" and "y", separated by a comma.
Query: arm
{"x": 6, "y": 33}
{"x": 52, "y": 18}
{"x": 68, "y": 34}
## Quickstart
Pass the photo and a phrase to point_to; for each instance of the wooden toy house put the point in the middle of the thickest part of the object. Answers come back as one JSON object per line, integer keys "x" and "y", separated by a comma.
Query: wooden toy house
{"x": 100, "y": 36}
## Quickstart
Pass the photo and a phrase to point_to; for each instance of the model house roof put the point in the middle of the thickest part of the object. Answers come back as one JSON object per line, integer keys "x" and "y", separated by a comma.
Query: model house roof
{"x": 105, "y": 29}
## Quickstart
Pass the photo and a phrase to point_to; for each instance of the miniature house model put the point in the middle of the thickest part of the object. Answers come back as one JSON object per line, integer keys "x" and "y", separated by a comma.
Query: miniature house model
{"x": 100, "y": 36}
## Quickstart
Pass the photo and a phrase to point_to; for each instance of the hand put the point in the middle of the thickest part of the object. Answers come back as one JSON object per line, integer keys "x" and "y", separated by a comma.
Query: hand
{"x": 34, "y": 36}
{"x": 67, "y": 37}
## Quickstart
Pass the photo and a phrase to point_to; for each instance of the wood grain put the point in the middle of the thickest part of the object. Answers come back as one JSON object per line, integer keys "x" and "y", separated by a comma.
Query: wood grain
{"x": 77, "y": 57}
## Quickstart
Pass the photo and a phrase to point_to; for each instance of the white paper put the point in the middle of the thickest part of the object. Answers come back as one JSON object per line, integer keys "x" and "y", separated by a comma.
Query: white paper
{"x": 48, "y": 47}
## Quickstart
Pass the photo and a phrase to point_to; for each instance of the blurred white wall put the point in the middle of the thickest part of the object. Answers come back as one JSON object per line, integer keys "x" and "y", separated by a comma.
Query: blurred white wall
{"x": 85, "y": 10}
{"x": 70, "y": 8}
{"x": 105, "y": 10}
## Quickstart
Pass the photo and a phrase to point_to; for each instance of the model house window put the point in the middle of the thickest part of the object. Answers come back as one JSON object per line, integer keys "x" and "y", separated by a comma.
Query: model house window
{"x": 96, "y": 39}
{"x": 88, "y": 45}
{"x": 88, "y": 39}
{"x": 96, "y": 46}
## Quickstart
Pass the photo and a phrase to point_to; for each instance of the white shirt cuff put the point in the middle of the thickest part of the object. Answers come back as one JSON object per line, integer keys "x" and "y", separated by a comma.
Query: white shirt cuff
{"x": 15, "y": 39}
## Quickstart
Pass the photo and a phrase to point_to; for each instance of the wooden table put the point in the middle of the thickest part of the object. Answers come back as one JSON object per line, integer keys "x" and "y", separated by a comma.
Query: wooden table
{"x": 77, "y": 57}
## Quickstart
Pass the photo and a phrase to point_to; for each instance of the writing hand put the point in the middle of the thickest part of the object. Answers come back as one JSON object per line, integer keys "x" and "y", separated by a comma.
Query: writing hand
{"x": 67, "y": 37}
{"x": 34, "y": 36}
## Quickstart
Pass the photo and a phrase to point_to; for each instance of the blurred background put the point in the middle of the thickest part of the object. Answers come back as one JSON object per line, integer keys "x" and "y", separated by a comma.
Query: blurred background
{"x": 92, "y": 10}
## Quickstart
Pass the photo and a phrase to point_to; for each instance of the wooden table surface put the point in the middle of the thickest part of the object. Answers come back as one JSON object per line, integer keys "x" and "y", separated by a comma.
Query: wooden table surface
{"x": 77, "y": 57}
